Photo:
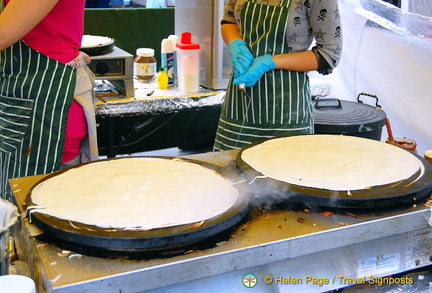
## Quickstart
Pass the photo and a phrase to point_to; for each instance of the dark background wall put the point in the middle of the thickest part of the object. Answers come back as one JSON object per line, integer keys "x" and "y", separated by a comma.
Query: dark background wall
{"x": 131, "y": 28}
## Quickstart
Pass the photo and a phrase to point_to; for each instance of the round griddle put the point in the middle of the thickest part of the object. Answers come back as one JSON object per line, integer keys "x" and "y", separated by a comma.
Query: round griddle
{"x": 398, "y": 194}
{"x": 121, "y": 240}
{"x": 98, "y": 49}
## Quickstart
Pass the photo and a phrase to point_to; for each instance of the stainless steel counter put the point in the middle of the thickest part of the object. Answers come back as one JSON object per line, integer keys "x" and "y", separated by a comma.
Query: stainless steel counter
{"x": 291, "y": 251}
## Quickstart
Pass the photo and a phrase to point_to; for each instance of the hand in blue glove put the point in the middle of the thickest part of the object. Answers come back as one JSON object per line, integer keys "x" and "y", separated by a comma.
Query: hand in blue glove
{"x": 241, "y": 57}
{"x": 259, "y": 66}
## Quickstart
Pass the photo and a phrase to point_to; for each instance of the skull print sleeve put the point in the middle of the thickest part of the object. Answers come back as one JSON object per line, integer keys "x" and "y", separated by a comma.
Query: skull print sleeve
{"x": 308, "y": 21}
{"x": 325, "y": 23}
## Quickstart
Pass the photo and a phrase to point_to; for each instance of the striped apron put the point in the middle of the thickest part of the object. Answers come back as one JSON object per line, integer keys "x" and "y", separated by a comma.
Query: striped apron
{"x": 35, "y": 96}
{"x": 280, "y": 102}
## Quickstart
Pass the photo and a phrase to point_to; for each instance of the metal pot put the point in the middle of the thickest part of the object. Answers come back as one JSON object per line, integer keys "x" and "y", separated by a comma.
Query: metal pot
{"x": 334, "y": 116}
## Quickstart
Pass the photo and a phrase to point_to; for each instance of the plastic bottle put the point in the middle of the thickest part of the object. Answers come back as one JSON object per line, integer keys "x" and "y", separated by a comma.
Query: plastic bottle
{"x": 162, "y": 79}
{"x": 144, "y": 64}
{"x": 174, "y": 39}
{"x": 167, "y": 59}
{"x": 188, "y": 64}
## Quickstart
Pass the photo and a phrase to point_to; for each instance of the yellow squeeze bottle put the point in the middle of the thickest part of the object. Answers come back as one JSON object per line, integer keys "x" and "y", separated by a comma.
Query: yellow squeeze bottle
{"x": 162, "y": 79}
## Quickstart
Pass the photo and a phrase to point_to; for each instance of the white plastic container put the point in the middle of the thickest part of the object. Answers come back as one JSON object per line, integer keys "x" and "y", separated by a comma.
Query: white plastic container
{"x": 17, "y": 284}
{"x": 168, "y": 59}
{"x": 174, "y": 39}
{"x": 188, "y": 66}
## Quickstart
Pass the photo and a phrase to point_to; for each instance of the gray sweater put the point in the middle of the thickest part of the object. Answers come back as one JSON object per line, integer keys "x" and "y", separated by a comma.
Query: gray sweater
{"x": 308, "y": 20}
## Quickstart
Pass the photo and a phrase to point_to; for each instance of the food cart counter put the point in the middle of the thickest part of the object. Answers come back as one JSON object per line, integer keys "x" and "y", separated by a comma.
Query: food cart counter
{"x": 156, "y": 119}
{"x": 273, "y": 250}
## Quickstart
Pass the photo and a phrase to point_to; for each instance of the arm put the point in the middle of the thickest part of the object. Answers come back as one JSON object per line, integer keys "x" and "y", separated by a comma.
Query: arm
{"x": 21, "y": 16}
{"x": 230, "y": 32}
{"x": 324, "y": 20}
{"x": 241, "y": 56}
{"x": 298, "y": 61}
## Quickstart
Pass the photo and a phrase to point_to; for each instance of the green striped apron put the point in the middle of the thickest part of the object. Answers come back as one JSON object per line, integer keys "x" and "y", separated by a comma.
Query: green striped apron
{"x": 280, "y": 102}
{"x": 35, "y": 95}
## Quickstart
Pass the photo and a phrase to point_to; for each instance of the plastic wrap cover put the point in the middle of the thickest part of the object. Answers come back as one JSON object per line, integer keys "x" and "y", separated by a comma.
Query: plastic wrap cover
{"x": 392, "y": 18}
{"x": 319, "y": 87}
{"x": 151, "y": 101}
{"x": 159, "y": 104}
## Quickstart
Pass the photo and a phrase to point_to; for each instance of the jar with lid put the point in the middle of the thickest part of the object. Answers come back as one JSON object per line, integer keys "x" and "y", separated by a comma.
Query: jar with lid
{"x": 145, "y": 64}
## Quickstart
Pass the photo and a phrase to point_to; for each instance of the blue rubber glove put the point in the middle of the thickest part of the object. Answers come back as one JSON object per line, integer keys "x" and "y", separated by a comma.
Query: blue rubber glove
{"x": 241, "y": 57}
{"x": 260, "y": 65}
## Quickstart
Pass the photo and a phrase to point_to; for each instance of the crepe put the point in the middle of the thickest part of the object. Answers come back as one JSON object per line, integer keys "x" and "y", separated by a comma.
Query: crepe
{"x": 135, "y": 193}
{"x": 332, "y": 162}
{"x": 89, "y": 41}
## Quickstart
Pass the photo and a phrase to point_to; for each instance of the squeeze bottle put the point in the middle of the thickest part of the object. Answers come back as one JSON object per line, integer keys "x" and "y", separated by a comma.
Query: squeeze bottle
{"x": 174, "y": 39}
{"x": 168, "y": 59}
{"x": 188, "y": 64}
{"x": 162, "y": 79}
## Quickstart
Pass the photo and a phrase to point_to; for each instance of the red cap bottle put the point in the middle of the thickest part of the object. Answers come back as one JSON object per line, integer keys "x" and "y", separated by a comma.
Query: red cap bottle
{"x": 188, "y": 64}
{"x": 186, "y": 42}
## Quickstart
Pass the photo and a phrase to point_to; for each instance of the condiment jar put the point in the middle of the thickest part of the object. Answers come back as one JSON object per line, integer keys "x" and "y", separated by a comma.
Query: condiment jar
{"x": 144, "y": 64}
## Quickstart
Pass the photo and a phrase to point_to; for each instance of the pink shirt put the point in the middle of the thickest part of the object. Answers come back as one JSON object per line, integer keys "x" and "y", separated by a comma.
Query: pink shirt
{"x": 59, "y": 34}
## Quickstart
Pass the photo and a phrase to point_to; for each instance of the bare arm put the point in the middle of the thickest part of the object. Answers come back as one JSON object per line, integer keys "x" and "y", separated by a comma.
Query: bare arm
{"x": 21, "y": 16}
{"x": 298, "y": 61}
{"x": 230, "y": 32}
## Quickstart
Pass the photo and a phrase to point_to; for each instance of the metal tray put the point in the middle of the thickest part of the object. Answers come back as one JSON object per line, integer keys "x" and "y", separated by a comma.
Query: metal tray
{"x": 139, "y": 240}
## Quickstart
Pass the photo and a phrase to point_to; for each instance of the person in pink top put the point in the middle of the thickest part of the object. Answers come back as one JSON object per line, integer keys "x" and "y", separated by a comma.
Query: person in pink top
{"x": 47, "y": 117}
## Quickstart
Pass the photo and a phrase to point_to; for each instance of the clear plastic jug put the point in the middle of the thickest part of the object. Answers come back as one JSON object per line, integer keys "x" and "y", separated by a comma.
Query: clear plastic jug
{"x": 188, "y": 66}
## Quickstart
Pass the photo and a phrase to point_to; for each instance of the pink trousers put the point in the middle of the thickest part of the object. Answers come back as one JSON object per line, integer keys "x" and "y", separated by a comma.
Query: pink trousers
{"x": 76, "y": 130}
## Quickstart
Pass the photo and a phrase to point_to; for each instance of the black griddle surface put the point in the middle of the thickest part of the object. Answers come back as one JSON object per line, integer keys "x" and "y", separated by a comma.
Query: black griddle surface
{"x": 120, "y": 240}
{"x": 413, "y": 190}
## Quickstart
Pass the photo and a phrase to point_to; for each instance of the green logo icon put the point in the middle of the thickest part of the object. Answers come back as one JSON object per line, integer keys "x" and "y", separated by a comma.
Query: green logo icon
{"x": 250, "y": 280}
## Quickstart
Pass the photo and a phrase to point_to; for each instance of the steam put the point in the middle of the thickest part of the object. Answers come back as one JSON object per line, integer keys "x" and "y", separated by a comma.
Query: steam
{"x": 268, "y": 193}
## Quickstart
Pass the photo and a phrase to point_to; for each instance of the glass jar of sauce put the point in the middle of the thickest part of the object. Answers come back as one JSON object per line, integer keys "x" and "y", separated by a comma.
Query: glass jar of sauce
{"x": 144, "y": 64}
